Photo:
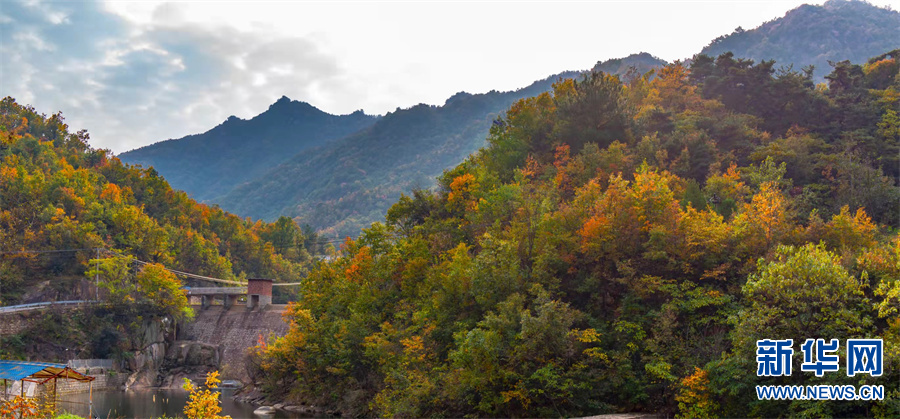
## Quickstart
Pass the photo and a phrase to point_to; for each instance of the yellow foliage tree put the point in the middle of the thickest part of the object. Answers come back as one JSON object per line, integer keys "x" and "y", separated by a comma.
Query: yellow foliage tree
{"x": 163, "y": 289}
{"x": 19, "y": 407}
{"x": 694, "y": 398}
{"x": 460, "y": 196}
{"x": 27, "y": 408}
{"x": 672, "y": 90}
{"x": 849, "y": 231}
{"x": 203, "y": 404}
{"x": 765, "y": 220}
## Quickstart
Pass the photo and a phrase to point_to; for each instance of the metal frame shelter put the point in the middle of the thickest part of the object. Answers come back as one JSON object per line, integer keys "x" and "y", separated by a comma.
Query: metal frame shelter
{"x": 41, "y": 373}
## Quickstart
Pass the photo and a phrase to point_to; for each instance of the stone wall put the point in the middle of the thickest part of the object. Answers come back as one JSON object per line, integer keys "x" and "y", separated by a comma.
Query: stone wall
{"x": 13, "y": 323}
{"x": 236, "y": 329}
{"x": 103, "y": 380}
{"x": 106, "y": 381}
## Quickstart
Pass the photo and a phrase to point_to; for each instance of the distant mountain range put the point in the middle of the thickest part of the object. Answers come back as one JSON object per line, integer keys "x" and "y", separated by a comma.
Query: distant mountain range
{"x": 347, "y": 184}
{"x": 340, "y": 173}
{"x": 814, "y": 35}
{"x": 211, "y": 164}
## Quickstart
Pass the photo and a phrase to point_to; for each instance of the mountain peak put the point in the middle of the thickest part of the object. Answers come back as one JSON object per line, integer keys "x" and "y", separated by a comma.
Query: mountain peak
{"x": 238, "y": 150}
{"x": 457, "y": 96}
{"x": 283, "y": 101}
{"x": 641, "y": 62}
{"x": 835, "y": 4}
{"x": 296, "y": 108}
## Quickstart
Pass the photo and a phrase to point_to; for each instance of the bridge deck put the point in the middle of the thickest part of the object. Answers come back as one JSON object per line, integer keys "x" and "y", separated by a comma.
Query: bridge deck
{"x": 216, "y": 290}
{"x": 40, "y": 306}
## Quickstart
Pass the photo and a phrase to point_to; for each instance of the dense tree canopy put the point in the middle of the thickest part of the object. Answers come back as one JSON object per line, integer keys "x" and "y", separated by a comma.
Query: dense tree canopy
{"x": 616, "y": 247}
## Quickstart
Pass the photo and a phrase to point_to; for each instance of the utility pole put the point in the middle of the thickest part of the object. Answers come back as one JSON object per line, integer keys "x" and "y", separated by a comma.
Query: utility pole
{"x": 97, "y": 278}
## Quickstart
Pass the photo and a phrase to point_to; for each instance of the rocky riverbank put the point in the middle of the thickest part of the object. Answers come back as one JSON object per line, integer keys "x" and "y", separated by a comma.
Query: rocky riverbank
{"x": 257, "y": 398}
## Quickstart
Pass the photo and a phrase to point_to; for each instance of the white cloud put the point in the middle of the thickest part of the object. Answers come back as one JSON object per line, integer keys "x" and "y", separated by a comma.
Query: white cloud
{"x": 133, "y": 73}
{"x": 132, "y": 83}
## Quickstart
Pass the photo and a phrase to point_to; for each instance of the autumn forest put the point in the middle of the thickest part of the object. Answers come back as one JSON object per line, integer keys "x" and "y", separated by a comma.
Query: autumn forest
{"x": 619, "y": 245}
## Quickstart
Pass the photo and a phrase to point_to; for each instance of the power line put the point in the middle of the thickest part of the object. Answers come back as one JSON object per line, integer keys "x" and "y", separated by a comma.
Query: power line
{"x": 329, "y": 241}
{"x": 187, "y": 274}
{"x": 22, "y": 252}
{"x": 176, "y": 272}
{"x": 195, "y": 276}
{"x": 28, "y": 252}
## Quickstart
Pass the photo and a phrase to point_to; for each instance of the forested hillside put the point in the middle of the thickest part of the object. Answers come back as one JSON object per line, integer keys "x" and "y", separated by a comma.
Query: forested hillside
{"x": 57, "y": 193}
{"x": 620, "y": 247}
{"x": 61, "y": 201}
{"x": 211, "y": 164}
{"x": 814, "y": 35}
{"x": 346, "y": 185}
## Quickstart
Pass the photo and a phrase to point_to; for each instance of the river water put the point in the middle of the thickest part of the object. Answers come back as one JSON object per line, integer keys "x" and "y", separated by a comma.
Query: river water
{"x": 152, "y": 403}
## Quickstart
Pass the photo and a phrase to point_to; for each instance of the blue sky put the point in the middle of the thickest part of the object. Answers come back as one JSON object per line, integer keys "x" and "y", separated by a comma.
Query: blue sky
{"x": 138, "y": 72}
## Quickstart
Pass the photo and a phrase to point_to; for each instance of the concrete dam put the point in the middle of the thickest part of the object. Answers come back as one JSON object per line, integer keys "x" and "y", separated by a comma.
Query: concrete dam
{"x": 234, "y": 329}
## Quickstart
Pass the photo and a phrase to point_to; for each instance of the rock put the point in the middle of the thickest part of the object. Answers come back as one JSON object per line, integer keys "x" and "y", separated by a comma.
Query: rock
{"x": 264, "y": 411}
{"x": 182, "y": 359}
{"x": 189, "y": 353}
{"x": 231, "y": 384}
{"x": 146, "y": 364}
{"x": 279, "y": 406}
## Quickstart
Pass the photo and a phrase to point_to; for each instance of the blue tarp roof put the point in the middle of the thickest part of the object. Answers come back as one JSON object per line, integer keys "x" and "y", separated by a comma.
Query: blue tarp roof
{"x": 17, "y": 370}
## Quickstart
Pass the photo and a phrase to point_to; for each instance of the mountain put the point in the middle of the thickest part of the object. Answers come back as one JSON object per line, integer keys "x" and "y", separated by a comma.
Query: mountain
{"x": 587, "y": 261}
{"x": 641, "y": 63}
{"x": 814, "y": 35}
{"x": 210, "y": 164}
{"x": 347, "y": 184}
{"x": 344, "y": 173}
{"x": 348, "y": 181}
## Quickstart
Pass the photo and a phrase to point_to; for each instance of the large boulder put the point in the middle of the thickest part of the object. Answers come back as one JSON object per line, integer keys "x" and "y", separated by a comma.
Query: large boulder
{"x": 190, "y": 353}
{"x": 189, "y": 359}
{"x": 147, "y": 360}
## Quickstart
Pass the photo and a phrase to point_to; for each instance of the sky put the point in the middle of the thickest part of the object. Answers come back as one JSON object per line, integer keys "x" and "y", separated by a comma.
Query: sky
{"x": 137, "y": 72}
